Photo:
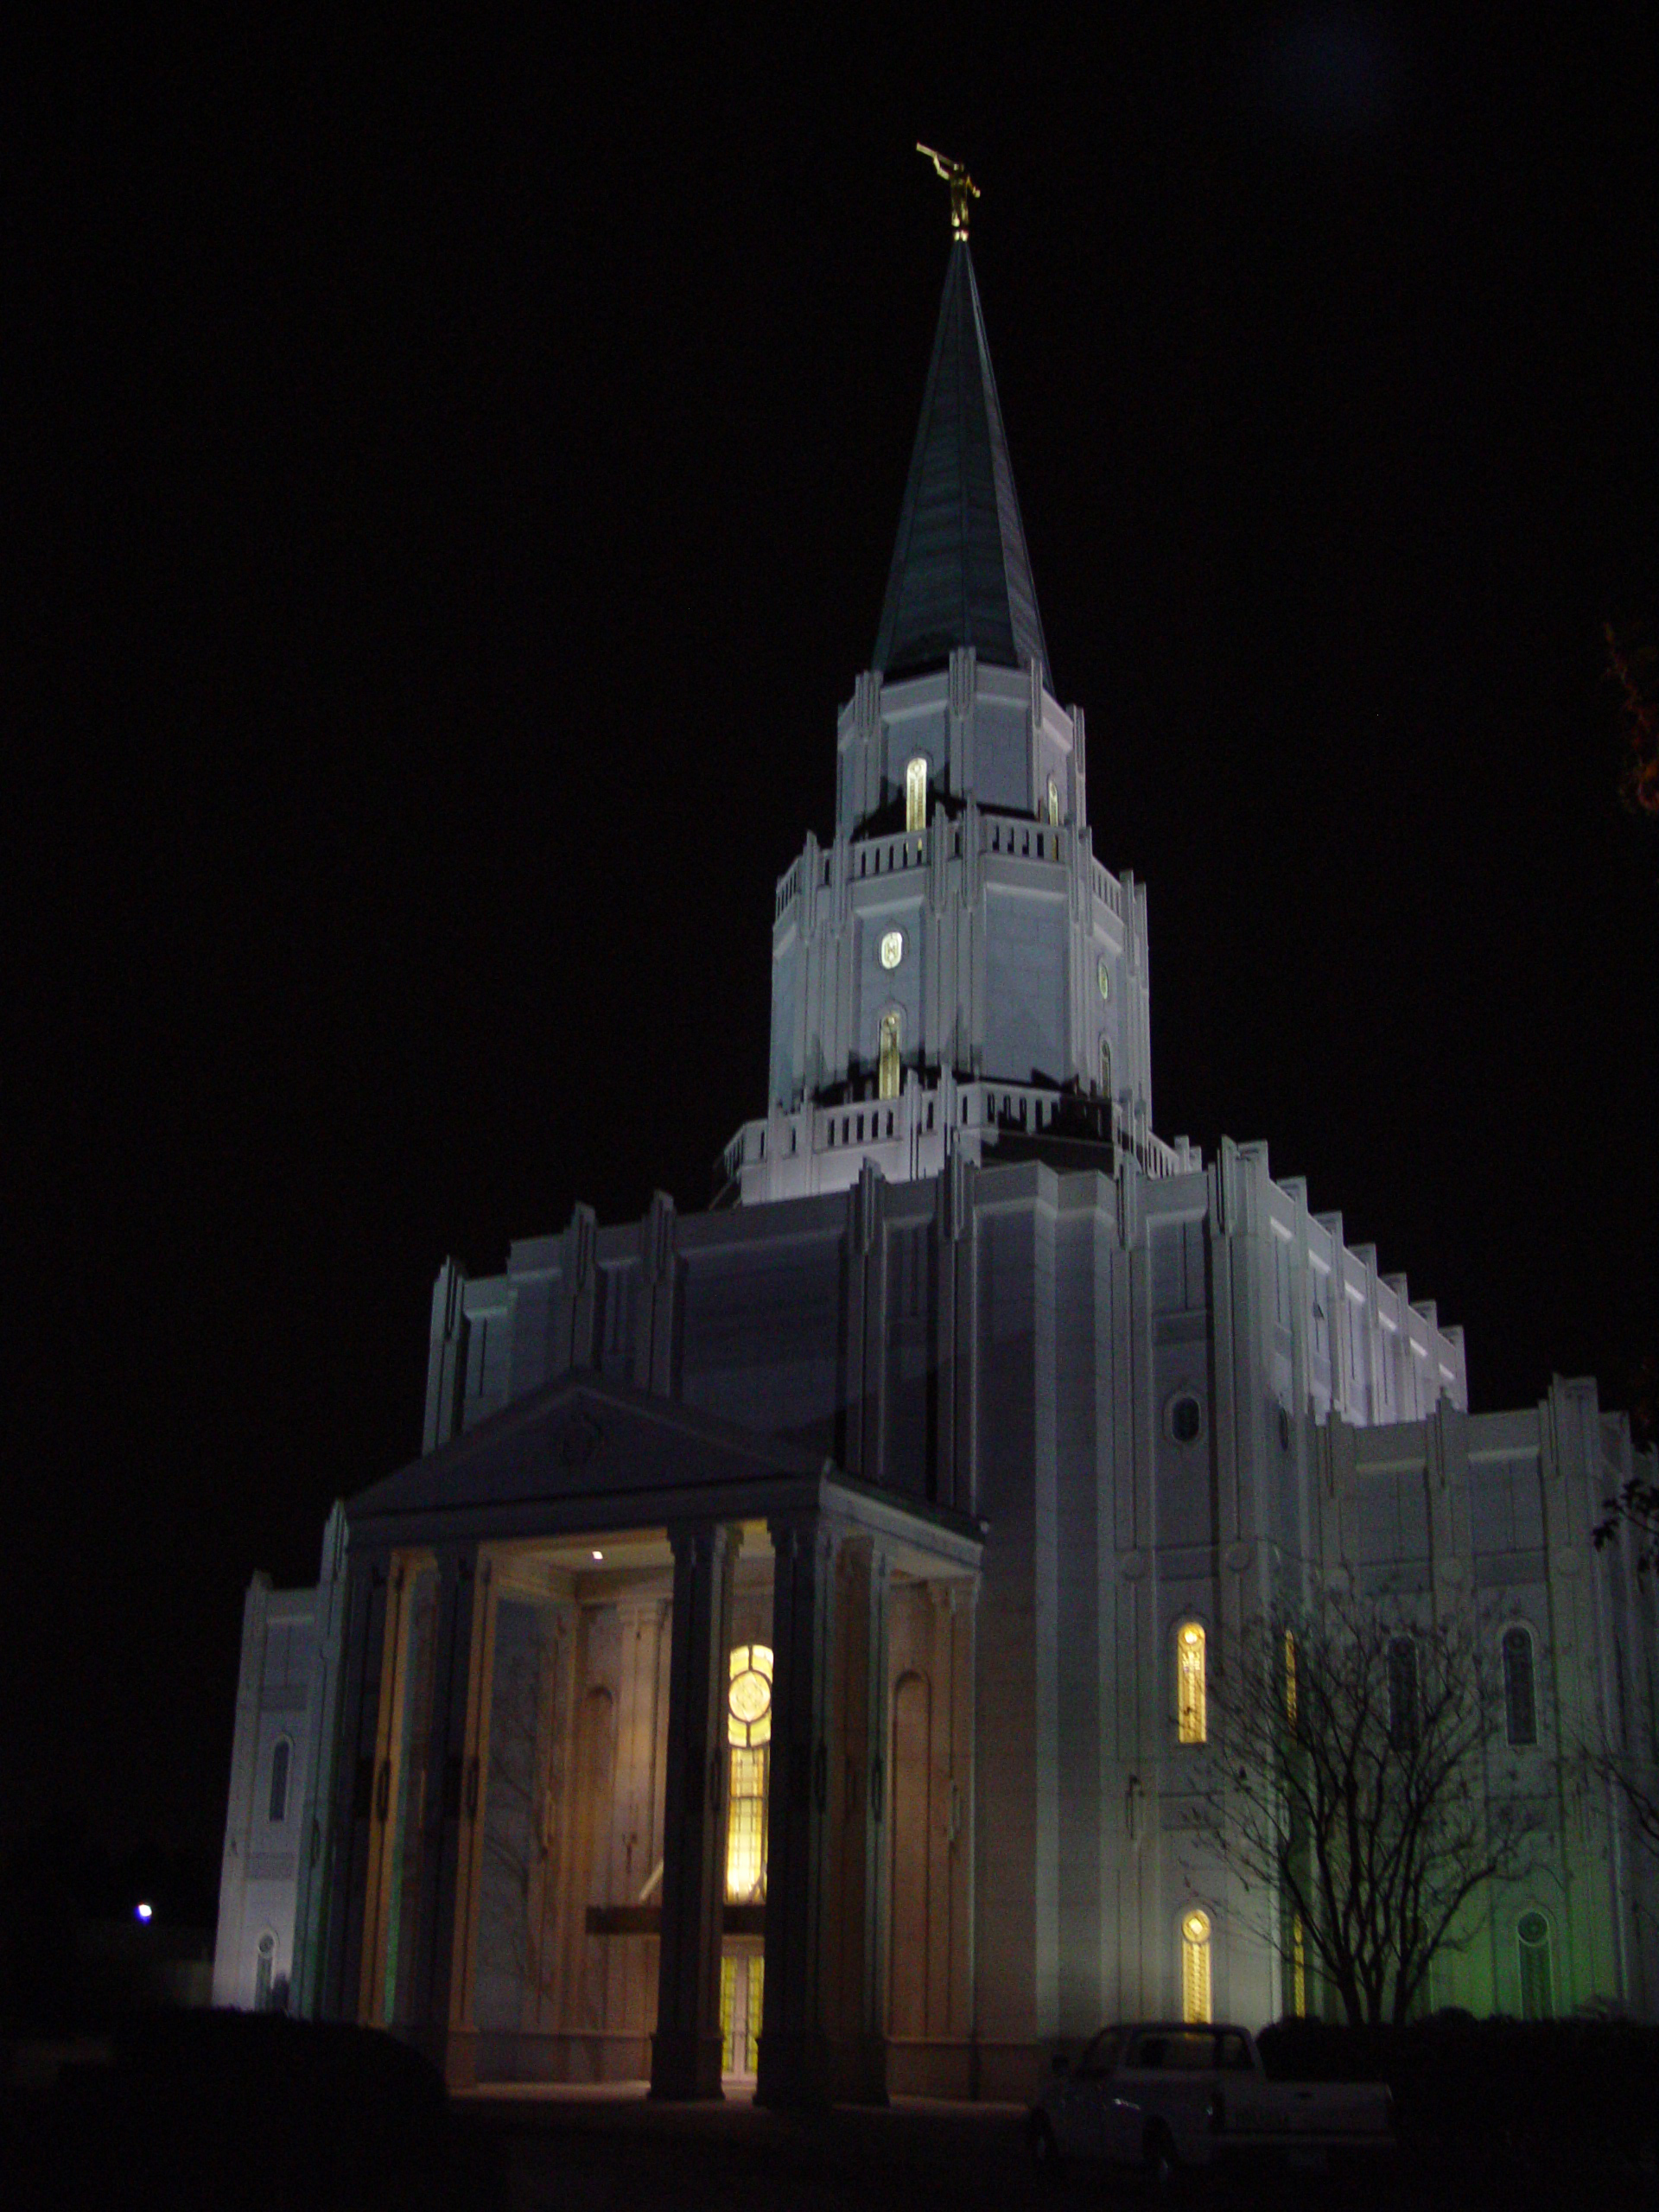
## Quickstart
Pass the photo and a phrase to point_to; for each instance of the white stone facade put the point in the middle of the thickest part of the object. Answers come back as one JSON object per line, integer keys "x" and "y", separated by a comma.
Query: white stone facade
{"x": 968, "y": 1395}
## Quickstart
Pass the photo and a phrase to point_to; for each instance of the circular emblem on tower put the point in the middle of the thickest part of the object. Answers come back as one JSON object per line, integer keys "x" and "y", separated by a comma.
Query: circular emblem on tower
{"x": 893, "y": 948}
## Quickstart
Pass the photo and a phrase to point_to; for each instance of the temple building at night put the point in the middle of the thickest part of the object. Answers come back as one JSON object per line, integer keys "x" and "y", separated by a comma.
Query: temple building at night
{"x": 792, "y": 1657}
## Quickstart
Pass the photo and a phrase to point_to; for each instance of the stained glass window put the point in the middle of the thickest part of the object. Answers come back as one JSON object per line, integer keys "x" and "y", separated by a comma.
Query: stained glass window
{"x": 1195, "y": 1965}
{"x": 1191, "y": 1716}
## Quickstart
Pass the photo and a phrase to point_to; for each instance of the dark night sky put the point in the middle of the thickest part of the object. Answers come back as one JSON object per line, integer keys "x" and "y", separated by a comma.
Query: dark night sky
{"x": 449, "y": 486}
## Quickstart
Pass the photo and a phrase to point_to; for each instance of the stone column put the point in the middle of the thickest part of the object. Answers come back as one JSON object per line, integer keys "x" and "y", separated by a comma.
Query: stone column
{"x": 446, "y": 1805}
{"x": 685, "y": 2052}
{"x": 822, "y": 2034}
{"x": 353, "y": 1823}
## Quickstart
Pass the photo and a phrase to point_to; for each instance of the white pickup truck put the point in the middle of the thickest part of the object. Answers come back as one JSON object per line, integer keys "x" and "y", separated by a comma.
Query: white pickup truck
{"x": 1166, "y": 2094}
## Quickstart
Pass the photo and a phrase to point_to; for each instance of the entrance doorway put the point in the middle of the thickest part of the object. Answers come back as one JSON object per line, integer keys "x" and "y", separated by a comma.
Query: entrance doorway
{"x": 742, "y": 1983}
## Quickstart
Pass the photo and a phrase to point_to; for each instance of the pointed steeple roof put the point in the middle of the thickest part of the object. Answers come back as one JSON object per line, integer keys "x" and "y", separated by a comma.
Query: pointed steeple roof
{"x": 960, "y": 575}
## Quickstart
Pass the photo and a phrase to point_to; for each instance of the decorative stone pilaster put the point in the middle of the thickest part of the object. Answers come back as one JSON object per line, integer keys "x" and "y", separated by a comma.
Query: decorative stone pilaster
{"x": 686, "y": 2048}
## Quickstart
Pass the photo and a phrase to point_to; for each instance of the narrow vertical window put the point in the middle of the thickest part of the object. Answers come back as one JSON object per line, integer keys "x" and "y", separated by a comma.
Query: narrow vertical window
{"x": 1191, "y": 1717}
{"x": 1297, "y": 1970}
{"x": 264, "y": 1963}
{"x": 1195, "y": 1966}
{"x": 727, "y": 2008}
{"x": 757, "y": 1999}
{"x": 1402, "y": 1693}
{"x": 916, "y": 794}
{"x": 279, "y": 1764}
{"x": 1290, "y": 1692}
{"x": 1054, "y": 804}
{"x": 748, "y": 1733}
{"x": 1532, "y": 1941}
{"x": 887, "y": 1073}
{"x": 1105, "y": 1068}
{"x": 1519, "y": 1707}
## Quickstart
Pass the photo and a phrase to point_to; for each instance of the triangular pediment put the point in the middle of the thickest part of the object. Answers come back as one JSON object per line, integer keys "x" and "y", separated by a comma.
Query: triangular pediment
{"x": 583, "y": 1438}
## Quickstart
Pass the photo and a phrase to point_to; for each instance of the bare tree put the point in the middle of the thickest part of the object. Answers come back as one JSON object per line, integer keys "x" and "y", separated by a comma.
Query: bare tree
{"x": 1355, "y": 1747}
{"x": 1636, "y": 1508}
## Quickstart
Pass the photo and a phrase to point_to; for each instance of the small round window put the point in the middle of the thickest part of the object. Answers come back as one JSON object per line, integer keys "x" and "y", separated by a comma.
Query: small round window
{"x": 893, "y": 948}
{"x": 1185, "y": 1418}
{"x": 1104, "y": 976}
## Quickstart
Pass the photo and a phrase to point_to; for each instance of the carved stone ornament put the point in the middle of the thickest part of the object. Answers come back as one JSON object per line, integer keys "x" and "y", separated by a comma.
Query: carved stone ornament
{"x": 579, "y": 1439}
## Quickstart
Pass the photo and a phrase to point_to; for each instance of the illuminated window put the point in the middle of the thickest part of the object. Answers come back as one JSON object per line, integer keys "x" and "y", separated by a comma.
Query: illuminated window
{"x": 1104, "y": 976}
{"x": 916, "y": 794}
{"x": 1297, "y": 1970}
{"x": 1191, "y": 1718}
{"x": 1532, "y": 1941}
{"x": 887, "y": 1074}
{"x": 1519, "y": 1707}
{"x": 1195, "y": 1965}
{"x": 748, "y": 1732}
{"x": 1290, "y": 1702}
{"x": 757, "y": 1998}
{"x": 1053, "y": 803}
{"x": 893, "y": 948}
{"x": 279, "y": 1764}
{"x": 1402, "y": 1693}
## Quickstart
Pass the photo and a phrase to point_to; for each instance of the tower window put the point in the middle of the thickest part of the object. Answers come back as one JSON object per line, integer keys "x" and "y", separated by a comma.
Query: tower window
{"x": 1519, "y": 1706}
{"x": 1532, "y": 1943}
{"x": 280, "y": 1759}
{"x": 1195, "y": 1966}
{"x": 1054, "y": 804}
{"x": 1191, "y": 1715}
{"x": 1105, "y": 1068}
{"x": 888, "y": 1083}
{"x": 916, "y": 793}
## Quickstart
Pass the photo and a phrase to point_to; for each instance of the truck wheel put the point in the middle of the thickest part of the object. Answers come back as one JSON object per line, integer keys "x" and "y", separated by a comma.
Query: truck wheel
{"x": 1162, "y": 2166}
{"x": 1045, "y": 2150}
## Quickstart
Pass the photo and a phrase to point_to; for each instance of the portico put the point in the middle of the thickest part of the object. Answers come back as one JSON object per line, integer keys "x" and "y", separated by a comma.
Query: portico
{"x": 618, "y": 1690}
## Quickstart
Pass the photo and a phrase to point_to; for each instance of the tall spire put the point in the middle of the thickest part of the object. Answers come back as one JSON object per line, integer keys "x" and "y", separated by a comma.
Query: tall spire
{"x": 960, "y": 575}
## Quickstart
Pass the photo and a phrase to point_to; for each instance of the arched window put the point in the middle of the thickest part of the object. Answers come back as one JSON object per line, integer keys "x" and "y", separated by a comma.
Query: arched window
{"x": 279, "y": 1764}
{"x": 1191, "y": 1715}
{"x": 748, "y": 1733}
{"x": 1105, "y": 1067}
{"x": 1402, "y": 1693}
{"x": 1290, "y": 1702}
{"x": 887, "y": 1072}
{"x": 1054, "y": 804}
{"x": 264, "y": 1961}
{"x": 1532, "y": 1943}
{"x": 1519, "y": 1706}
{"x": 1195, "y": 1965}
{"x": 916, "y": 793}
